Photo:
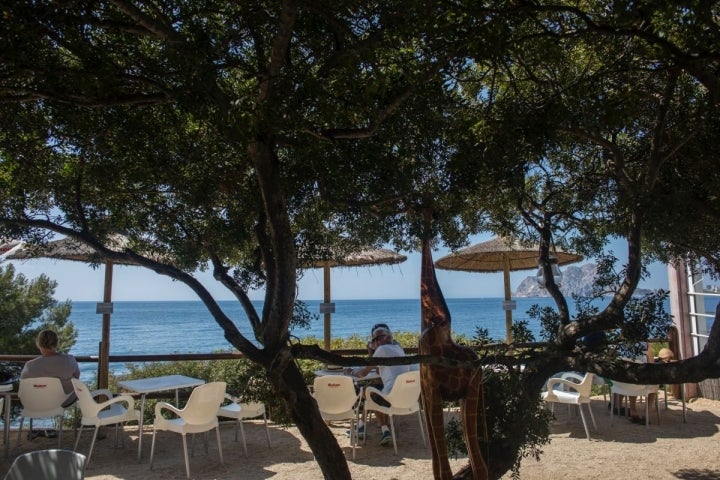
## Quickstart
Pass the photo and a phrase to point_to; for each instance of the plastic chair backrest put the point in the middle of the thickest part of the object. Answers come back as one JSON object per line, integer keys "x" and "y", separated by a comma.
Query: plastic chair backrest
{"x": 41, "y": 396}
{"x": 583, "y": 385}
{"x": 252, "y": 409}
{"x": 334, "y": 394}
{"x": 203, "y": 404}
{"x": 406, "y": 390}
{"x": 88, "y": 405}
{"x": 48, "y": 465}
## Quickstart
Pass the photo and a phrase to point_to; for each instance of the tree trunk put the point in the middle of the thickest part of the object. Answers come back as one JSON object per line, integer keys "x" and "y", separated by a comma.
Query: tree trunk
{"x": 289, "y": 381}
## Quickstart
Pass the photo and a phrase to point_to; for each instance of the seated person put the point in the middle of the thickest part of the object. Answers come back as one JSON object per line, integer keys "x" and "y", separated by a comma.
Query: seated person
{"x": 632, "y": 401}
{"x": 383, "y": 346}
{"x": 665, "y": 355}
{"x": 52, "y": 363}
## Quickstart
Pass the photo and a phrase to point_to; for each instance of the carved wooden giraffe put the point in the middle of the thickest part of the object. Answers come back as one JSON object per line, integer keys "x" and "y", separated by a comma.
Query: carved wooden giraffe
{"x": 442, "y": 383}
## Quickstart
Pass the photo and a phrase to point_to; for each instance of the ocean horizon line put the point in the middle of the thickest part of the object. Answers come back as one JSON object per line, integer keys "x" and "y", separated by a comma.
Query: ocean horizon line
{"x": 305, "y": 300}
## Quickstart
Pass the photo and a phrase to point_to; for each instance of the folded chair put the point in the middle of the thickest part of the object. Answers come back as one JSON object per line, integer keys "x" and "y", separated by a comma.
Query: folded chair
{"x": 115, "y": 410}
{"x": 198, "y": 416}
{"x": 337, "y": 400}
{"x": 241, "y": 411}
{"x": 404, "y": 399}
{"x": 42, "y": 397}
{"x": 572, "y": 389}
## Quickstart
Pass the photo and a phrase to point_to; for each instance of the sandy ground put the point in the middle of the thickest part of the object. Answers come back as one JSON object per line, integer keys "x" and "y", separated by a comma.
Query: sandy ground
{"x": 623, "y": 450}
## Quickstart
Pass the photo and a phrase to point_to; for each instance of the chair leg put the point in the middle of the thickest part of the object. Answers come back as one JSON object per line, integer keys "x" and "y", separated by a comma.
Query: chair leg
{"x": 19, "y": 439}
{"x": 582, "y": 415}
{"x": 242, "y": 431}
{"x": 592, "y": 416}
{"x": 77, "y": 438}
{"x": 236, "y": 429}
{"x": 219, "y": 442}
{"x": 267, "y": 429}
{"x": 392, "y": 432}
{"x": 187, "y": 460}
{"x": 422, "y": 428}
{"x": 152, "y": 448}
{"x": 92, "y": 444}
{"x": 353, "y": 435}
{"x": 59, "y": 423}
{"x": 365, "y": 418}
{"x": 117, "y": 434}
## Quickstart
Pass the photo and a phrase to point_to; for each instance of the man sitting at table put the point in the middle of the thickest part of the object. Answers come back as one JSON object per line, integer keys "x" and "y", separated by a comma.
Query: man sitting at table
{"x": 383, "y": 346}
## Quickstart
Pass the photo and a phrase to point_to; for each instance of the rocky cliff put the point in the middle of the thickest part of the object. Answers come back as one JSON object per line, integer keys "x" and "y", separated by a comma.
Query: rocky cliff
{"x": 576, "y": 281}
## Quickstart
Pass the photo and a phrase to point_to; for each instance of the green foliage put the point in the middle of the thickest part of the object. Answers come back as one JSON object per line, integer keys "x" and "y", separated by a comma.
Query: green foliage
{"x": 26, "y": 308}
{"x": 302, "y": 317}
{"x": 548, "y": 318}
{"x": 518, "y": 424}
{"x": 645, "y": 318}
{"x": 520, "y": 333}
{"x": 454, "y": 438}
{"x": 243, "y": 135}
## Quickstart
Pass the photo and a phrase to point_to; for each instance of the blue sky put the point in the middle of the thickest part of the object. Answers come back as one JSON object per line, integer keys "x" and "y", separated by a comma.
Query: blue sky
{"x": 79, "y": 282}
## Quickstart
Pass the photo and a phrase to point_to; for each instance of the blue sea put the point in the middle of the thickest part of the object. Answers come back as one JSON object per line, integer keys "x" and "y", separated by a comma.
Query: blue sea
{"x": 139, "y": 328}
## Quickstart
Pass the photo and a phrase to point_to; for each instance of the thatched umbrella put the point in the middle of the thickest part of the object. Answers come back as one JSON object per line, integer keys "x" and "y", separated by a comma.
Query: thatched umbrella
{"x": 70, "y": 249}
{"x": 379, "y": 256}
{"x": 500, "y": 254}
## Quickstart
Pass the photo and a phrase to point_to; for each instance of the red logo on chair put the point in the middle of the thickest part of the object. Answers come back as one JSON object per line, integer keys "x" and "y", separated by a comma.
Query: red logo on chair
{"x": 409, "y": 381}
{"x": 37, "y": 385}
{"x": 333, "y": 385}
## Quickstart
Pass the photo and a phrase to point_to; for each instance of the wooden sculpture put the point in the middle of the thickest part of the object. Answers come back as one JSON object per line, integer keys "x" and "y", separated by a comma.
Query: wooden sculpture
{"x": 442, "y": 383}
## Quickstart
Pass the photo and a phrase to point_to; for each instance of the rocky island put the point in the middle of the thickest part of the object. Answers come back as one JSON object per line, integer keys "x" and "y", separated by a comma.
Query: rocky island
{"x": 576, "y": 281}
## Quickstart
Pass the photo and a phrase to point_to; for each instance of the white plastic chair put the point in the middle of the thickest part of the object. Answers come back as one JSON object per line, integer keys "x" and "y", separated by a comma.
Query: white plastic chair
{"x": 337, "y": 400}
{"x": 108, "y": 412}
{"x": 241, "y": 411}
{"x": 198, "y": 416}
{"x": 404, "y": 399}
{"x": 41, "y": 397}
{"x": 572, "y": 389}
{"x": 632, "y": 390}
{"x": 48, "y": 464}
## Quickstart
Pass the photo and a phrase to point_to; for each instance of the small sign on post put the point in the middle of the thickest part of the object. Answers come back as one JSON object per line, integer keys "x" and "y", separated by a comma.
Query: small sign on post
{"x": 508, "y": 305}
{"x": 327, "y": 307}
{"x": 104, "y": 307}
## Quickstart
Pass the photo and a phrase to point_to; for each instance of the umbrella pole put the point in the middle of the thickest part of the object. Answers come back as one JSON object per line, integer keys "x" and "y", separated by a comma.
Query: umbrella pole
{"x": 508, "y": 310}
{"x": 326, "y": 300}
{"x": 104, "y": 354}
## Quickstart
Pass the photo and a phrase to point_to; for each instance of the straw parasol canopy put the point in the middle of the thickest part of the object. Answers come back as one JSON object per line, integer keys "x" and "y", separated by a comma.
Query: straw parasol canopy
{"x": 501, "y": 254}
{"x": 70, "y": 249}
{"x": 364, "y": 257}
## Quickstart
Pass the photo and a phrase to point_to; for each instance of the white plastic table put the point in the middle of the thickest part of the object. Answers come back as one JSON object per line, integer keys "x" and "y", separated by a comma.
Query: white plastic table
{"x": 143, "y": 386}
